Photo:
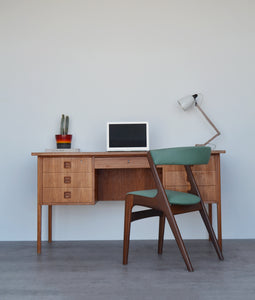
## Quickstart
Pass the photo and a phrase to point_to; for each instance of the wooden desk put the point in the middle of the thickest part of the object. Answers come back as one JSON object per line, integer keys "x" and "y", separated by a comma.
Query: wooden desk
{"x": 82, "y": 178}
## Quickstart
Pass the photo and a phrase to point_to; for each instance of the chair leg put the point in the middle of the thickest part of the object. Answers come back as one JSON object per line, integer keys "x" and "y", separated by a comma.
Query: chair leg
{"x": 127, "y": 224}
{"x": 210, "y": 230}
{"x": 161, "y": 233}
{"x": 178, "y": 238}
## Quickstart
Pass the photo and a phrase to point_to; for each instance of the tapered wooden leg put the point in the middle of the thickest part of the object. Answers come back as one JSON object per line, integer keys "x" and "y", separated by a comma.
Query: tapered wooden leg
{"x": 49, "y": 223}
{"x": 39, "y": 227}
{"x": 219, "y": 225}
{"x": 210, "y": 214}
{"x": 178, "y": 238}
{"x": 210, "y": 230}
{"x": 161, "y": 233}
{"x": 127, "y": 224}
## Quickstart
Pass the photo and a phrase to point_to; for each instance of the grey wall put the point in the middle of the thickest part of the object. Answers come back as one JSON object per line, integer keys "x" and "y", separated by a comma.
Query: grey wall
{"x": 117, "y": 60}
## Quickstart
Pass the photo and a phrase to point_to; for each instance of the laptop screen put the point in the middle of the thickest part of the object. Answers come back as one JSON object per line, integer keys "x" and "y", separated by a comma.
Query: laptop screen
{"x": 127, "y": 136}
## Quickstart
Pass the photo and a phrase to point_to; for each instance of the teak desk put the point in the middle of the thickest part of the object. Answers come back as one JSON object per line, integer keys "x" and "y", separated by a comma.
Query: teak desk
{"x": 78, "y": 178}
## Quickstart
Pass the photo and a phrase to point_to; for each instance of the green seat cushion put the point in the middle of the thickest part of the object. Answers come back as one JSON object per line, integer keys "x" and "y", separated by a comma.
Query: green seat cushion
{"x": 174, "y": 197}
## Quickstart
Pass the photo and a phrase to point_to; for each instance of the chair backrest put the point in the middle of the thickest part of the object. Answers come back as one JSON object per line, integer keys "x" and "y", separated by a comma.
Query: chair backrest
{"x": 181, "y": 156}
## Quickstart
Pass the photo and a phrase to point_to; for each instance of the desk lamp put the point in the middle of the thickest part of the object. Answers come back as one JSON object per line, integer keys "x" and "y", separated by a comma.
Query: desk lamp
{"x": 187, "y": 102}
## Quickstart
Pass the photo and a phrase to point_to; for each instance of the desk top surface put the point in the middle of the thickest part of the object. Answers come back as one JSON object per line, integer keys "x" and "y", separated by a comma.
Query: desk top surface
{"x": 103, "y": 154}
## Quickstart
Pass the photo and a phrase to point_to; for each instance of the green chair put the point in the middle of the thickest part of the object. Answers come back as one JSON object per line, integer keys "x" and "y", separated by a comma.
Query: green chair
{"x": 167, "y": 203}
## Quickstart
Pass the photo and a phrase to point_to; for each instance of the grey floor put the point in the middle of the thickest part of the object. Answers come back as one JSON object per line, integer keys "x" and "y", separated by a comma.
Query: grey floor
{"x": 94, "y": 270}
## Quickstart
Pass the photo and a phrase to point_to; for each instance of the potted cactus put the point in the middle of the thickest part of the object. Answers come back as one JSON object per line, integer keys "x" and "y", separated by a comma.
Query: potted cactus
{"x": 64, "y": 139}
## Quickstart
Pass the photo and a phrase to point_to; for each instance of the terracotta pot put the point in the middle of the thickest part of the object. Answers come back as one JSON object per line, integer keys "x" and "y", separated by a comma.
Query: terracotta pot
{"x": 63, "y": 141}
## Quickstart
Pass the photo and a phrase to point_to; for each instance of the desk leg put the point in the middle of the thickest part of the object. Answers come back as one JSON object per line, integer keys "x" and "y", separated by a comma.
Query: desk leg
{"x": 210, "y": 214}
{"x": 219, "y": 225}
{"x": 39, "y": 227}
{"x": 218, "y": 181}
{"x": 218, "y": 222}
{"x": 49, "y": 223}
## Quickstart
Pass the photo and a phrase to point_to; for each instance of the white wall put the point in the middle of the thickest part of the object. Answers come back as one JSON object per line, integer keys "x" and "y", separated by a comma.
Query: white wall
{"x": 119, "y": 60}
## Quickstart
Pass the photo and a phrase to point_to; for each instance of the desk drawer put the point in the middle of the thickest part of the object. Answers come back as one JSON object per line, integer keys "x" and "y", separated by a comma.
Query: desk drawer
{"x": 208, "y": 167}
{"x": 67, "y": 164}
{"x": 66, "y": 180}
{"x": 67, "y": 196}
{"x": 205, "y": 168}
{"x": 180, "y": 177}
{"x": 121, "y": 162}
{"x": 208, "y": 193}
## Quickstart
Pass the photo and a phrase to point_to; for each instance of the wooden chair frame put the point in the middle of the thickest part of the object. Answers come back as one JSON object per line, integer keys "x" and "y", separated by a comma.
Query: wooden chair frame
{"x": 161, "y": 207}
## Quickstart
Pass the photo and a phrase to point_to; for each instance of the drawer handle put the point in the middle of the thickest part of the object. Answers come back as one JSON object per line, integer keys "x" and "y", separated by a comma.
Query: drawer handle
{"x": 67, "y": 195}
{"x": 67, "y": 179}
{"x": 67, "y": 165}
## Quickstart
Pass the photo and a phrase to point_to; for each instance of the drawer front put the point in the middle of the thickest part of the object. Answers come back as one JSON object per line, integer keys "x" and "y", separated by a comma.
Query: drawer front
{"x": 66, "y": 164}
{"x": 175, "y": 178}
{"x": 68, "y": 196}
{"x": 208, "y": 193}
{"x": 205, "y": 177}
{"x": 66, "y": 180}
{"x": 211, "y": 166}
{"x": 121, "y": 162}
{"x": 180, "y": 178}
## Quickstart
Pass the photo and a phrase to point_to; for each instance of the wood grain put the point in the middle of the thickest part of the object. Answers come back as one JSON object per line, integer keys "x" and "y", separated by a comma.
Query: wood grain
{"x": 61, "y": 164}
{"x": 74, "y": 180}
{"x": 114, "y": 184}
{"x": 84, "y": 177}
{"x": 67, "y": 195}
{"x": 121, "y": 162}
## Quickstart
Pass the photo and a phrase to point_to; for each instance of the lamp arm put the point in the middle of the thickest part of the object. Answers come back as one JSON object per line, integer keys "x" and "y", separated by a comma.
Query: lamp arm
{"x": 211, "y": 123}
{"x": 217, "y": 134}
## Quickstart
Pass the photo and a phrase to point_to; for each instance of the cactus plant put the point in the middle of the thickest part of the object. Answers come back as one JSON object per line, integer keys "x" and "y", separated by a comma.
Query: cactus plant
{"x": 64, "y": 125}
{"x": 64, "y": 139}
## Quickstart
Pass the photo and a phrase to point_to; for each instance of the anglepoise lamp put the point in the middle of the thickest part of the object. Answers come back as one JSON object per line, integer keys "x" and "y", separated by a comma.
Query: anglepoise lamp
{"x": 189, "y": 101}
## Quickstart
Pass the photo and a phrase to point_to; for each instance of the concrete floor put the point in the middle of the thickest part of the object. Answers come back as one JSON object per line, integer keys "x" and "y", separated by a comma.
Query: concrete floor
{"x": 94, "y": 270}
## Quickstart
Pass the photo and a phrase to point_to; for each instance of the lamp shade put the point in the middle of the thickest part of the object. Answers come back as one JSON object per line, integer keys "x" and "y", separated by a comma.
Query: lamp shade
{"x": 186, "y": 102}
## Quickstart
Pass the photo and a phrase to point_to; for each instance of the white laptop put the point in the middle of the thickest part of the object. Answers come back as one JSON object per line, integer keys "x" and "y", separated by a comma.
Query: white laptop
{"x": 127, "y": 136}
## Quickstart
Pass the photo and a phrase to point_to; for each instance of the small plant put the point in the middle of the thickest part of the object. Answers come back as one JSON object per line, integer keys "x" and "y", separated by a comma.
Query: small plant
{"x": 64, "y": 125}
{"x": 64, "y": 139}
